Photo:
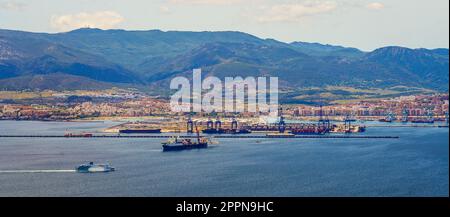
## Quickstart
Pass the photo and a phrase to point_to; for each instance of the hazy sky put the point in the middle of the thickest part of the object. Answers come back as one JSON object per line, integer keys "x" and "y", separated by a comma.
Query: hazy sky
{"x": 365, "y": 24}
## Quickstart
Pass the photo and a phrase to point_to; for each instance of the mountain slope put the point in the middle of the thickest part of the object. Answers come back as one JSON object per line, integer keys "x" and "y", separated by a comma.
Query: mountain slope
{"x": 54, "y": 81}
{"x": 428, "y": 67}
{"x": 154, "y": 57}
{"x": 29, "y": 54}
{"x": 133, "y": 48}
{"x": 316, "y": 49}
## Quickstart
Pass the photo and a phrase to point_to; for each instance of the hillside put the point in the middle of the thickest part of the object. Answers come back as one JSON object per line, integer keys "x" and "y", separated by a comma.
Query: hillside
{"x": 151, "y": 58}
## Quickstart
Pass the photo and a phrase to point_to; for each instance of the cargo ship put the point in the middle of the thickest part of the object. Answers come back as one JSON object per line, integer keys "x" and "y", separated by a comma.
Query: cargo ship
{"x": 264, "y": 128}
{"x": 310, "y": 131}
{"x": 385, "y": 120}
{"x": 177, "y": 144}
{"x": 139, "y": 131}
{"x": 348, "y": 129}
{"x": 422, "y": 121}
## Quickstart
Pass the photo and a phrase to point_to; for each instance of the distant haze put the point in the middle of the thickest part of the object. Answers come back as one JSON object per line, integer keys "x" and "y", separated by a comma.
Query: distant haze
{"x": 364, "y": 24}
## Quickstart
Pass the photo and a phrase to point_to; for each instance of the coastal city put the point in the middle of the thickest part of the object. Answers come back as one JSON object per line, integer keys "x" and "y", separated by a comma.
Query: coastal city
{"x": 125, "y": 104}
{"x": 257, "y": 104}
{"x": 140, "y": 113}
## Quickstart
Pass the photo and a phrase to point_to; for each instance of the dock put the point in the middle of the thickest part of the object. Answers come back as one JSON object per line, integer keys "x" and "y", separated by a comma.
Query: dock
{"x": 405, "y": 126}
{"x": 194, "y": 136}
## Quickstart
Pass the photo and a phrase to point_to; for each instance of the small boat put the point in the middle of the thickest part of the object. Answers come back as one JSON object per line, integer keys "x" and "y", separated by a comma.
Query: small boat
{"x": 94, "y": 168}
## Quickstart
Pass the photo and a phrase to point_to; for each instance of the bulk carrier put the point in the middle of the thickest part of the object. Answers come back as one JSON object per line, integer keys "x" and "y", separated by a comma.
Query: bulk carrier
{"x": 177, "y": 144}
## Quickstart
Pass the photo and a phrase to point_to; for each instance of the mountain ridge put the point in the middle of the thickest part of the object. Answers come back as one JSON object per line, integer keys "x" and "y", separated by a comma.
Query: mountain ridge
{"x": 153, "y": 57}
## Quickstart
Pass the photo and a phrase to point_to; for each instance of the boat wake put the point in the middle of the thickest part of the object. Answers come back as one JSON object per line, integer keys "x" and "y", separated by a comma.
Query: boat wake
{"x": 37, "y": 171}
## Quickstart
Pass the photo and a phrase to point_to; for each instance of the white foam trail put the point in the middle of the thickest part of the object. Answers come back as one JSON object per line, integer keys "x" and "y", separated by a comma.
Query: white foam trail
{"x": 37, "y": 171}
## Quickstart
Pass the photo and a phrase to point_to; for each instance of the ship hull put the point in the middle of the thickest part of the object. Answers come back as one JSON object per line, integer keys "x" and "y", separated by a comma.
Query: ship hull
{"x": 182, "y": 147}
{"x": 385, "y": 121}
{"x": 154, "y": 131}
{"x": 422, "y": 122}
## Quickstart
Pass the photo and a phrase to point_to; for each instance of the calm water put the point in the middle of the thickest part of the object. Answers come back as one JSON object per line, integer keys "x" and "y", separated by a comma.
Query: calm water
{"x": 414, "y": 165}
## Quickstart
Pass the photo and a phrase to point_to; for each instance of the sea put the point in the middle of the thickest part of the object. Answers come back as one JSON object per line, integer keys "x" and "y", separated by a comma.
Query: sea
{"x": 414, "y": 165}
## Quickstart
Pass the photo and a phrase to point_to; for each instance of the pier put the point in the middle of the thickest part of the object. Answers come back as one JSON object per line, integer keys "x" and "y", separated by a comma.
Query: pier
{"x": 194, "y": 136}
{"x": 411, "y": 126}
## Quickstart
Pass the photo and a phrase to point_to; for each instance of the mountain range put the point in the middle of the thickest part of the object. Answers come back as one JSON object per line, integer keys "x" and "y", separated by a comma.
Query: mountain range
{"x": 94, "y": 59}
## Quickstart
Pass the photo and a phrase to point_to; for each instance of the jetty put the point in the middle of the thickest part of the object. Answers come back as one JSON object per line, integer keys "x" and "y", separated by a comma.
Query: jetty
{"x": 162, "y": 136}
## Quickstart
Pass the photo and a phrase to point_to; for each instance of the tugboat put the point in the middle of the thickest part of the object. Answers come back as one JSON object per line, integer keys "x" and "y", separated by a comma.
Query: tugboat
{"x": 94, "y": 168}
{"x": 175, "y": 144}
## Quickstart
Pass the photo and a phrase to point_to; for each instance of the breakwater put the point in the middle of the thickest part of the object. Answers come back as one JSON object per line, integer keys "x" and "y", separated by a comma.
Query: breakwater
{"x": 215, "y": 136}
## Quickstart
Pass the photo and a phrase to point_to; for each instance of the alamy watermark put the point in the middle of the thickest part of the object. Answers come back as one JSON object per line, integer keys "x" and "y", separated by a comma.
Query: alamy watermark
{"x": 234, "y": 95}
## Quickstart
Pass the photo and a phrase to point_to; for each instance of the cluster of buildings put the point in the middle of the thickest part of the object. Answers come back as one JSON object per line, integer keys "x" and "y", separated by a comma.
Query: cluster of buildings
{"x": 420, "y": 105}
{"x": 139, "y": 106}
{"x": 130, "y": 108}
{"x": 68, "y": 111}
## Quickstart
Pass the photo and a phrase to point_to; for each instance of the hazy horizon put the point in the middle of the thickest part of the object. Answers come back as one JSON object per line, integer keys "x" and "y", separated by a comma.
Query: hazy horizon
{"x": 362, "y": 24}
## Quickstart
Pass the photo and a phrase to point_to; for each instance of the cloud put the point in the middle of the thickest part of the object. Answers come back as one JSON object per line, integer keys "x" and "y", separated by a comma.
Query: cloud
{"x": 164, "y": 9}
{"x": 99, "y": 19}
{"x": 375, "y": 6}
{"x": 11, "y": 5}
{"x": 295, "y": 12}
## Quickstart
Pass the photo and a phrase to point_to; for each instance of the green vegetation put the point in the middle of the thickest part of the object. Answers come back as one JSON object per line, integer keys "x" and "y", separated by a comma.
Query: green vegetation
{"x": 344, "y": 95}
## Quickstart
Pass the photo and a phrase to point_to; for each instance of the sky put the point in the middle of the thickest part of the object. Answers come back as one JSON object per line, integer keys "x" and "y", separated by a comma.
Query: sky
{"x": 364, "y": 24}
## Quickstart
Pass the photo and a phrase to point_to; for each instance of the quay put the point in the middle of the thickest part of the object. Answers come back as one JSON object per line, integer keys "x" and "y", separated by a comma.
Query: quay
{"x": 412, "y": 126}
{"x": 215, "y": 136}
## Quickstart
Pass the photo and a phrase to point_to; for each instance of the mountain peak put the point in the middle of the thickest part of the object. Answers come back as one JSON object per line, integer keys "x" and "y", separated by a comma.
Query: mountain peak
{"x": 317, "y": 49}
{"x": 397, "y": 52}
{"x": 393, "y": 49}
{"x": 86, "y": 30}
